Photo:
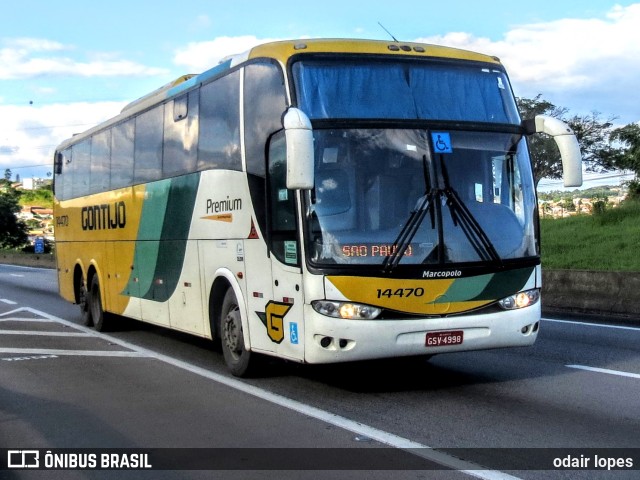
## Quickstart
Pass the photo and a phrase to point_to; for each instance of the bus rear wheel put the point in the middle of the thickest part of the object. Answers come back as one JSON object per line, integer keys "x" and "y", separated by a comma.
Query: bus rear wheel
{"x": 238, "y": 359}
{"x": 83, "y": 302}
{"x": 98, "y": 315}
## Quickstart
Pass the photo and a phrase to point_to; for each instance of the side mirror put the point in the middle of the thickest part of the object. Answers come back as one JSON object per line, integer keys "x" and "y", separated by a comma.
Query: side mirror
{"x": 567, "y": 144}
{"x": 300, "y": 158}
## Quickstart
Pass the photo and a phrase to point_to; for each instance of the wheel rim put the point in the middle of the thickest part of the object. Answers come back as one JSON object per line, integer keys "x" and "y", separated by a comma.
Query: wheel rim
{"x": 232, "y": 330}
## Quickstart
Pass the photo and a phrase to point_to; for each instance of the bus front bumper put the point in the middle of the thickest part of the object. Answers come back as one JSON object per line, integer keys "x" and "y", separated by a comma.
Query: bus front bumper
{"x": 330, "y": 340}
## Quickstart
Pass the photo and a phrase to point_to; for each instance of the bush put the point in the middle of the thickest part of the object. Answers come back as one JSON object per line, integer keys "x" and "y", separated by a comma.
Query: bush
{"x": 634, "y": 190}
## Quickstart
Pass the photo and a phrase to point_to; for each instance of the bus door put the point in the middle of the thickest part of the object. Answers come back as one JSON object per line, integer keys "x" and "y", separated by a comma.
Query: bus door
{"x": 274, "y": 299}
{"x": 274, "y": 278}
{"x": 285, "y": 315}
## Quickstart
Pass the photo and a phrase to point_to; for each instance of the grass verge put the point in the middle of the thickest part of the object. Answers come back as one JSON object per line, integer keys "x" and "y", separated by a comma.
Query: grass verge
{"x": 608, "y": 241}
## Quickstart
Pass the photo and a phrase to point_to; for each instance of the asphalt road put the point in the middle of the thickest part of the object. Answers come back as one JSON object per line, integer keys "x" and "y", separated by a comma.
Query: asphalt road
{"x": 576, "y": 392}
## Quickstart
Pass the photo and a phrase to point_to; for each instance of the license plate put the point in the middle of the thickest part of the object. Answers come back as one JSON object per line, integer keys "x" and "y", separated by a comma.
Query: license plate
{"x": 444, "y": 339}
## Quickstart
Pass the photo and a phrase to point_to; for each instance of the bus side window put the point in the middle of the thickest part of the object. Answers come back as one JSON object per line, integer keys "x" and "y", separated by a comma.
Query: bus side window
{"x": 100, "y": 161}
{"x": 122, "y": 137}
{"x": 180, "y": 135}
{"x": 219, "y": 131}
{"x": 81, "y": 166}
{"x": 264, "y": 103}
{"x": 148, "y": 145}
{"x": 64, "y": 176}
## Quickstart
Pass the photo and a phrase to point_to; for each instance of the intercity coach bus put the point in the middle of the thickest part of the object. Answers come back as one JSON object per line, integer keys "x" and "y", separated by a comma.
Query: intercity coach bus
{"x": 315, "y": 200}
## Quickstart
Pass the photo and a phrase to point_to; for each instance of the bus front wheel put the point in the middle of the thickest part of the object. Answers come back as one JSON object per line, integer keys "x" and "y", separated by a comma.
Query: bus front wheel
{"x": 238, "y": 359}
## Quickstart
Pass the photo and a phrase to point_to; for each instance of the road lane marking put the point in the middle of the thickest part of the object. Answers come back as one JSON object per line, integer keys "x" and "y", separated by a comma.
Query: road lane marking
{"x": 44, "y": 334}
{"x": 605, "y": 370}
{"x": 8, "y": 302}
{"x": 32, "y": 357}
{"x": 77, "y": 353}
{"x": 387, "y": 438}
{"x": 29, "y": 320}
{"x": 598, "y": 325}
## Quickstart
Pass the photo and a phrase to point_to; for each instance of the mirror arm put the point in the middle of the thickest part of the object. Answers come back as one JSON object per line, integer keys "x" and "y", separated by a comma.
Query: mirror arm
{"x": 567, "y": 144}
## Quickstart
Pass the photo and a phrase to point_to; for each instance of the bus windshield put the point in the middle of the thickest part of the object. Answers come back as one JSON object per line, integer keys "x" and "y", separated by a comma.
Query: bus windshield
{"x": 475, "y": 202}
{"x": 404, "y": 89}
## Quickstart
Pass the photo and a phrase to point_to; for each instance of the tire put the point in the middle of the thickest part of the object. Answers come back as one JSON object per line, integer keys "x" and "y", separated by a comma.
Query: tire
{"x": 98, "y": 315}
{"x": 85, "y": 311}
{"x": 240, "y": 362}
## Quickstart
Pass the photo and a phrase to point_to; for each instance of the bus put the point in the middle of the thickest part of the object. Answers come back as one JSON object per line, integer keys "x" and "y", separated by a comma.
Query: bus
{"x": 316, "y": 200}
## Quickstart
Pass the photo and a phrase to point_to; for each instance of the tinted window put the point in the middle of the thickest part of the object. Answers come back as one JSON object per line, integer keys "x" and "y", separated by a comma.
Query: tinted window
{"x": 180, "y": 135}
{"x": 81, "y": 163}
{"x": 100, "y": 161}
{"x": 122, "y": 154}
{"x": 219, "y": 142}
{"x": 264, "y": 104}
{"x": 148, "y": 145}
{"x": 283, "y": 205}
{"x": 404, "y": 90}
{"x": 64, "y": 179}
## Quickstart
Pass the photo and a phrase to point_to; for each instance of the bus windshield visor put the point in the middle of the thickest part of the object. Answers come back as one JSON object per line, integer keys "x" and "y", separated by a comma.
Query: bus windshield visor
{"x": 378, "y": 189}
{"x": 404, "y": 90}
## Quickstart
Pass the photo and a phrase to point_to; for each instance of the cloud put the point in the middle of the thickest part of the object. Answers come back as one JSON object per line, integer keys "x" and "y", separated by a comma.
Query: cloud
{"x": 200, "y": 56}
{"x": 29, "y": 134}
{"x": 202, "y": 22}
{"x": 594, "y": 58}
{"x": 31, "y": 57}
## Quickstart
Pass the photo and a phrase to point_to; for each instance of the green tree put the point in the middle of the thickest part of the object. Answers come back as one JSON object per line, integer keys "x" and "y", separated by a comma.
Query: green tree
{"x": 594, "y": 136}
{"x": 13, "y": 232}
{"x": 629, "y": 158}
{"x": 7, "y": 174}
{"x": 545, "y": 156}
{"x": 629, "y": 137}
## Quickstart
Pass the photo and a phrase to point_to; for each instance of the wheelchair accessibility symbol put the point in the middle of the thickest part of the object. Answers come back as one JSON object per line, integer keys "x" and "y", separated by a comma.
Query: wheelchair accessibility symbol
{"x": 441, "y": 142}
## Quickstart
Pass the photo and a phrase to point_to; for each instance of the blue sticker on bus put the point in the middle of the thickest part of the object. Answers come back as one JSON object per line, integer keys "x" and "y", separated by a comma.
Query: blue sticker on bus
{"x": 293, "y": 333}
{"x": 441, "y": 142}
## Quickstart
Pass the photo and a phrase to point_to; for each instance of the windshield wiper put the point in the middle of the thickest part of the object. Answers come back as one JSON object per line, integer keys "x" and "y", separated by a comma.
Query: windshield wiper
{"x": 461, "y": 215}
{"x": 424, "y": 205}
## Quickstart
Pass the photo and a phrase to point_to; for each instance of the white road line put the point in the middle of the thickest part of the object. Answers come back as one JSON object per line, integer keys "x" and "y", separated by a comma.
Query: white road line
{"x": 358, "y": 428}
{"x": 605, "y": 370}
{"x": 27, "y": 320}
{"x": 77, "y": 353}
{"x": 8, "y": 302}
{"x": 44, "y": 334}
{"x": 16, "y": 275}
{"x": 597, "y": 325}
{"x": 16, "y": 310}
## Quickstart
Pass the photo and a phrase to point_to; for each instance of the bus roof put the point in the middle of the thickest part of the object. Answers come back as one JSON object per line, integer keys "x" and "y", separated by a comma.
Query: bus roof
{"x": 282, "y": 51}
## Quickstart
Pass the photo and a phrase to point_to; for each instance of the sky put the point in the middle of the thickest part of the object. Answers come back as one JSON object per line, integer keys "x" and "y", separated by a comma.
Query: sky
{"x": 68, "y": 65}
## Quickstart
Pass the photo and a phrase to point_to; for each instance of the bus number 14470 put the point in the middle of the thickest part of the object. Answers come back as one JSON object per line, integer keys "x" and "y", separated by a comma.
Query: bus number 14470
{"x": 401, "y": 292}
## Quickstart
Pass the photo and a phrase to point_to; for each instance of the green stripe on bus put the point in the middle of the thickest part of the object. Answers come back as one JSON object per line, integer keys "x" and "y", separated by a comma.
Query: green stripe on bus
{"x": 493, "y": 286}
{"x": 180, "y": 203}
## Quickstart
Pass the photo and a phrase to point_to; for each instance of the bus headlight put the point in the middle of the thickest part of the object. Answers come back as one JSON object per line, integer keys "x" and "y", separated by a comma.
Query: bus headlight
{"x": 347, "y": 310}
{"x": 520, "y": 300}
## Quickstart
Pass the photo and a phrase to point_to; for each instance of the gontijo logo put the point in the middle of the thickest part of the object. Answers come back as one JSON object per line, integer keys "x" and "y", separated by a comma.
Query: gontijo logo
{"x": 104, "y": 217}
